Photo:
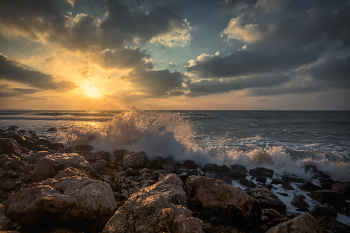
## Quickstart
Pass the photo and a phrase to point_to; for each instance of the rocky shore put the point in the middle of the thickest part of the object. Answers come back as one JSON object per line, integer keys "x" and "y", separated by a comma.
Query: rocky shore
{"x": 48, "y": 187}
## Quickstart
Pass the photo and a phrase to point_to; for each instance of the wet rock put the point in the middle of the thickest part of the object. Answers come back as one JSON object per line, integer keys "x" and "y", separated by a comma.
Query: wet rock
{"x": 292, "y": 178}
{"x": 261, "y": 172}
{"x": 69, "y": 172}
{"x": 135, "y": 160}
{"x": 236, "y": 175}
{"x": 305, "y": 223}
{"x": 40, "y": 148}
{"x": 52, "y": 129}
{"x": 331, "y": 197}
{"x": 48, "y": 166}
{"x": 344, "y": 188}
{"x": 157, "y": 208}
{"x": 229, "y": 201}
{"x": 333, "y": 225}
{"x": 308, "y": 186}
{"x": 223, "y": 168}
{"x": 277, "y": 221}
{"x": 70, "y": 199}
{"x": 238, "y": 167}
{"x": 247, "y": 183}
{"x": 12, "y": 127}
{"x": 57, "y": 146}
{"x": 5, "y": 222}
{"x": 212, "y": 174}
{"x": 210, "y": 167}
{"x": 9, "y": 146}
{"x": 272, "y": 214}
{"x": 43, "y": 142}
{"x": 119, "y": 154}
{"x": 227, "y": 179}
{"x": 315, "y": 172}
{"x": 157, "y": 163}
{"x": 284, "y": 183}
{"x": 323, "y": 210}
{"x": 268, "y": 199}
{"x": 69, "y": 149}
{"x": 131, "y": 172}
{"x": 145, "y": 170}
{"x": 261, "y": 179}
{"x": 8, "y": 184}
{"x": 26, "y": 143}
{"x": 298, "y": 201}
{"x": 186, "y": 173}
{"x": 188, "y": 164}
{"x": 21, "y": 132}
{"x": 85, "y": 147}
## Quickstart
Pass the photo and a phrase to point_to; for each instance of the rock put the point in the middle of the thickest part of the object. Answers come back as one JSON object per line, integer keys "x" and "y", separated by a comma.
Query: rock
{"x": 51, "y": 129}
{"x": 26, "y": 143}
{"x": 9, "y": 146}
{"x": 268, "y": 199}
{"x": 323, "y": 210}
{"x": 217, "y": 194}
{"x": 333, "y": 225}
{"x": 8, "y": 184}
{"x": 292, "y": 178}
{"x": 21, "y": 132}
{"x": 57, "y": 146}
{"x": 73, "y": 199}
{"x": 277, "y": 221}
{"x": 188, "y": 164}
{"x": 157, "y": 163}
{"x": 5, "y": 222}
{"x": 223, "y": 168}
{"x": 238, "y": 167}
{"x": 227, "y": 179}
{"x": 12, "y": 127}
{"x": 43, "y": 142}
{"x": 119, "y": 154}
{"x": 262, "y": 158}
{"x": 308, "y": 186}
{"x": 236, "y": 175}
{"x": 261, "y": 179}
{"x": 284, "y": 183}
{"x": 85, "y": 147}
{"x": 212, "y": 174}
{"x": 14, "y": 163}
{"x": 135, "y": 160}
{"x": 316, "y": 173}
{"x": 69, "y": 149}
{"x": 331, "y": 197}
{"x": 272, "y": 214}
{"x": 131, "y": 172}
{"x": 186, "y": 173}
{"x": 344, "y": 188}
{"x": 40, "y": 148}
{"x": 298, "y": 201}
{"x": 48, "y": 166}
{"x": 247, "y": 183}
{"x": 210, "y": 167}
{"x": 157, "y": 208}
{"x": 69, "y": 172}
{"x": 305, "y": 223}
{"x": 261, "y": 172}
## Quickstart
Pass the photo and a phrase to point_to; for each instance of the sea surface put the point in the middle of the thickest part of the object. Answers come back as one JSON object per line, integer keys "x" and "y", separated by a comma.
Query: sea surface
{"x": 282, "y": 140}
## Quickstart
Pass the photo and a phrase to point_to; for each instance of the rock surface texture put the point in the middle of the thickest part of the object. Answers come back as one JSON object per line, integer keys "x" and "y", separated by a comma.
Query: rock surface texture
{"x": 161, "y": 207}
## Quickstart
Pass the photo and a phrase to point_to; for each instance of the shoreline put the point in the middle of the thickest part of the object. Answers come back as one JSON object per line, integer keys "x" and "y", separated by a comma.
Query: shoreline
{"x": 77, "y": 190}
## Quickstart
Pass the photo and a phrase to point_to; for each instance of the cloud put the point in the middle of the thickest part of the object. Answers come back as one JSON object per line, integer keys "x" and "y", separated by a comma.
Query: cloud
{"x": 239, "y": 5}
{"x": 13, "y": 71}
{"x": 154, "y": 83}
{"x": 206, "y": 87}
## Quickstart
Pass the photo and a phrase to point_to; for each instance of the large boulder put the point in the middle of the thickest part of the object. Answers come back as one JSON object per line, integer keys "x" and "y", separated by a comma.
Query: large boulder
{"x": 217, "y": 194}
{"x": 48, "y": 166}
{"x": 73, "y": 199}
{"x": 331, "y": 197}
{"x": 261, "y": 172}
{"x": 157, "y": 208}
{"x": 268, "y": 199}
{"x": 135, "y": 160}
{"x": 9, "y": 146}
{"x": 304, "y": 223}
{"x": 342, "y": 187}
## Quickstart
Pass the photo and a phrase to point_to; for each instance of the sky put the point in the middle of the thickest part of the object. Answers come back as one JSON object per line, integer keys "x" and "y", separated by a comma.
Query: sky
{"x": 184, "y": 54}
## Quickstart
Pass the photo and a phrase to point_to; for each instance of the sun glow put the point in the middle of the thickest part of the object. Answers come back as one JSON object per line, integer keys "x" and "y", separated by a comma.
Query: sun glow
{"x": 91, "y": 90}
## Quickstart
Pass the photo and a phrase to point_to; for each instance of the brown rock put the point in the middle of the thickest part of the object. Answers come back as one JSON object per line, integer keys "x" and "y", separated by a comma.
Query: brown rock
{"x": 215, "y": 193}
{"x": 333, "y": 198}
{"x": 135, "y": 160}
{"x": 305, "y": 223}
{"x": 9, "y": 146}
{"x": 158, "y": 208}
{"x": 268, "y": 199}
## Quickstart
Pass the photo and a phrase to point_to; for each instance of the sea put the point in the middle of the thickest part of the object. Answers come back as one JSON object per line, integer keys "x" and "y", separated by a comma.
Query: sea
{"x": 284, "y": 141}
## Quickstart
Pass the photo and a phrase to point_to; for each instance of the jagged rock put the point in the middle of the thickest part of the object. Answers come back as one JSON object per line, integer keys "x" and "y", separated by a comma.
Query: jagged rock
{"x": 298, "y": 201}
{"x": 214, "y": 193}
{"x": 223, "y": 168}
{"x": 323, "y": 210}
{"x": 327, "y": 183}
{"x": 158, "y": 208}
{"x": 119, "y": 154}
{"x": 261, "y": 179}
{"x": 238, "y": 167}
{"x": 84, "y": 147}
{"x": 272, "y": 214}
{"x": 9, "y": 146}
{"x": 5, "y": 222}
{"x": 212, "y": 174}
{"x": 333, "y": 225}
{"x": 268, "y": 199}
{"x": 305, "y": 223}
{"x": 135, "y": 160}
{"x": 261, "y": 172}
{"x": 227, "y": 179}
{"x": 247, "y": 183}
{"x": 331, "y": 197}
{"x": 344, "y": 188}
{"x": 157, "y": 163}
{"x": 308, "y": 186}
{"x": 8, "y": 184}
{"x": 40, "y": 148}
{"x": 292, "y": 178}
{"x": 186, "y": 173}
{"x": 48, "y": 166}
{"x": 284, "y": 183}
{"x": 131, "y": 172}
{"x": 10, "y": 161}
{"x": 236, "y": 175}
{"x": 188, "y": 164}
{"x": 26, "y": 143}
{"x": 316, "y": 173}
{"x": 210, "y": 167}
{"x": 69, "y": 172}
{"x": 74, "y": 199}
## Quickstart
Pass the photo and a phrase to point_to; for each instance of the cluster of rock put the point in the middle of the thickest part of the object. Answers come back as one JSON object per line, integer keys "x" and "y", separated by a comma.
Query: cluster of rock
{"x": 46, "y": 187}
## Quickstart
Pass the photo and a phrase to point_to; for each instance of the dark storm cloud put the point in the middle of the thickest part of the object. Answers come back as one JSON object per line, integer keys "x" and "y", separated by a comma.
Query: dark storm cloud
{"x": 206, "y": 87}
{"x": 25, "y": 90}
{"x": 13, "y": 71}
{"x": 154, "y": 83}
{"x": 238, "y": 5}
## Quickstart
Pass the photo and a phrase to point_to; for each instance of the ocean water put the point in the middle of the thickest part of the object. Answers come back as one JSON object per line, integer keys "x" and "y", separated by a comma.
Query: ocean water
{"x": 285, "y": 141}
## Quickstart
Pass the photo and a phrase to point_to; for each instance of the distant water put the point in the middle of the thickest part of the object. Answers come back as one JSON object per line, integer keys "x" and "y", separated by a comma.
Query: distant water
{"x": 291, "y": 138}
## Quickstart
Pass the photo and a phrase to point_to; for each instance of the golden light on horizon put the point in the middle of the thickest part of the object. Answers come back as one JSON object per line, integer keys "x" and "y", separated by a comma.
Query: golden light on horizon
{"x": 91, "y": 90}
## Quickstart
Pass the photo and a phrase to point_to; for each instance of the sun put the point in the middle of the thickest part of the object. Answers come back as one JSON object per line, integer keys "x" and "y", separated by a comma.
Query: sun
{"x": 91, "y": 90}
